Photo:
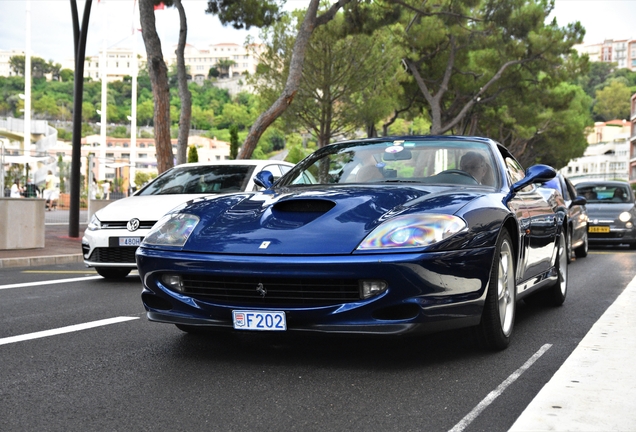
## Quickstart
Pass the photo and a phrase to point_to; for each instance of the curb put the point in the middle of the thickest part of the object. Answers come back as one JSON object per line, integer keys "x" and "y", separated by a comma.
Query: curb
{"x": 40, "y": 260}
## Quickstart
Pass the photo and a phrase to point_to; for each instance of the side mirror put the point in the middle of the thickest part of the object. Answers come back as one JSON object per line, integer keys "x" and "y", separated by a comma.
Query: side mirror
{"x": 579, "y": 200}
{"x": 535, "y": 174}
{"x": 264, "y": 179}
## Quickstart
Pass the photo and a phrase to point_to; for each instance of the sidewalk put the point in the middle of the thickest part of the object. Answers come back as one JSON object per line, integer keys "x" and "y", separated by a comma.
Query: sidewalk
{"x": 595, "y": 388}
{"x": 58, "y": 248}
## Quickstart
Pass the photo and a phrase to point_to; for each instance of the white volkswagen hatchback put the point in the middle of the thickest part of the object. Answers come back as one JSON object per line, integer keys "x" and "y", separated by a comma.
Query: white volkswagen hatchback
{"x": 114, "y": 232}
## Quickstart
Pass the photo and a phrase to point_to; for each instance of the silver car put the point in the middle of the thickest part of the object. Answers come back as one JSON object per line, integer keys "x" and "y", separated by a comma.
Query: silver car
{"x": 611, "y": 212}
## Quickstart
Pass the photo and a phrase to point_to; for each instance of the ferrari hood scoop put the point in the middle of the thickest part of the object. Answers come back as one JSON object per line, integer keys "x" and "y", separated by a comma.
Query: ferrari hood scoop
{"x": 303, "y": 206}
{"x": 296, "y": 213}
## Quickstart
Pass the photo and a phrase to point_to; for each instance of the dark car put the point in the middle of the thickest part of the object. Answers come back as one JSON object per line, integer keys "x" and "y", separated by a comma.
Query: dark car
{"x": 378, "y": 236}
{"x": 577, "y": 241}
{"x": 611, "y": 212}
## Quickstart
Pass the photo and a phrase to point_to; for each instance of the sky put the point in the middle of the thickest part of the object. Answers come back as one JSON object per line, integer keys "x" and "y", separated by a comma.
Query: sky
{"x": 52, "y": 24}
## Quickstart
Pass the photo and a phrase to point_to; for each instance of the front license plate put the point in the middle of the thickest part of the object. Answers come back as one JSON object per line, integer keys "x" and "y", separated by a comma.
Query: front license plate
{"x": 129, "y": 241}
{"x": 598, "y": 229}
{"x": 259, "y": 320}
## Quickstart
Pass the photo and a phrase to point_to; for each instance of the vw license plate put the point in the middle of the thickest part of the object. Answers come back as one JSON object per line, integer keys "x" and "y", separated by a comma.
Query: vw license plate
{"x": 259, "y": 320}
{"x": 129, "y": 241}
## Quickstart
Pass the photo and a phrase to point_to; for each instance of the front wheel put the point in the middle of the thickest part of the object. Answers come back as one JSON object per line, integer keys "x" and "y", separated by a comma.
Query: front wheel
{"x": 498, "y": 317}
{"x": 113, "y": 272}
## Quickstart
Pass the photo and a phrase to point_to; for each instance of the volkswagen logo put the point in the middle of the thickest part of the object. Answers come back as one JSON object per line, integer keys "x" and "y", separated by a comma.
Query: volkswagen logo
{"x": 133, "y": 224}
{"x": 261, "y": 290}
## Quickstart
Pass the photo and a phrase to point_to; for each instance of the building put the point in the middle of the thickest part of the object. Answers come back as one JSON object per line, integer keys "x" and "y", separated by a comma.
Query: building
{"x": 230, "y": 59}
{"x": 632, "y": 143}
{"x": 5, "y": 66}
{"x": 622, "y": 52}
{"x": 607, "y": 154}
{"x": 119, "y": 63}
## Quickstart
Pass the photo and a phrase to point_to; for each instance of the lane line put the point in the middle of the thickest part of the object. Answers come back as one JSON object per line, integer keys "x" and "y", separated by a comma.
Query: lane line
{"x": 468, "y": 419}
{"x": 62, "y": 330}
{"x": 49, "y": 282}
{"x": 61, "y": 271}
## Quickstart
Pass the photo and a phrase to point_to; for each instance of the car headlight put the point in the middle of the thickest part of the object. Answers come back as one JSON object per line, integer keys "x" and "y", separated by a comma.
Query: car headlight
{"x": 172, "y": 230}
{"x": 412, "y": 231}
{"x": 94, "y": 224}
{"x": 624, "y": 217}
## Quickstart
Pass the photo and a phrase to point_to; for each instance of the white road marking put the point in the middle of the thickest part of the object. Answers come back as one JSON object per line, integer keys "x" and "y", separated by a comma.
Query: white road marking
{"x": 468, "y": 419}
{"x": 62, "y": 330}
{"x": 48, "y": 282}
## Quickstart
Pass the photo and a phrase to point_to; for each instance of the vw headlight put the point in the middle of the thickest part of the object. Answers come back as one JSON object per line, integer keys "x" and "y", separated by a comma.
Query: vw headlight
{"x": 413, "y": 231}
{"x": 172, "y": 230}
{"x": 94, "y": 224}
{"x": 624, "y": 217}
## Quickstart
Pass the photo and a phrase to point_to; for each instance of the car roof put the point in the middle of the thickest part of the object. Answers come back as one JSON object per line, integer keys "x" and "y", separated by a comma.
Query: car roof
{"x": 602, "y": 183}
{"x": 253, "y": 162}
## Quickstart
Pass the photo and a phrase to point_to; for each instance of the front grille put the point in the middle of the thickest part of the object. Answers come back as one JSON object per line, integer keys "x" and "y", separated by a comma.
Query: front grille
{"x": 113, "y": 255}
{"x": 277, "y": 291}
{"x": 123, "y": 224}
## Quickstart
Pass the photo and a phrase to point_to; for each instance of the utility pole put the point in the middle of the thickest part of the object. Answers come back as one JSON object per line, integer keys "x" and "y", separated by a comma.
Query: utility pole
{"x": 79, "y": 38}
{"x": 26, "y": 143}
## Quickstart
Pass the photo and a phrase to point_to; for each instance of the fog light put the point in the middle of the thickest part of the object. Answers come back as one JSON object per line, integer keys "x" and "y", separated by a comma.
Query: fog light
{"x": 173, "y": 282}
{"x": 629, "y": 225}
{"x": 369, "y": 288}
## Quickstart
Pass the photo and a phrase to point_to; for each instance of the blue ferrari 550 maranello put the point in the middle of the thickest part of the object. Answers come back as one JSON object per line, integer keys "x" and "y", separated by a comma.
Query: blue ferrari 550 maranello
{"x": 380, "y": 236}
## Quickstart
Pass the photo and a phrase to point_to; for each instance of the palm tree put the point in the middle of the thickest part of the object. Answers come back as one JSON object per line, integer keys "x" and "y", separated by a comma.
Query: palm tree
{"x": 224, "y": 66}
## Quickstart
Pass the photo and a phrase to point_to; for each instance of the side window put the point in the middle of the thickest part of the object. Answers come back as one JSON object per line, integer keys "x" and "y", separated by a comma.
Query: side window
{"x": 570, "y": 188}
{"x": 274, "y": 169}
{"x": 515, "y": 171}
{"x": 284, "y": 168}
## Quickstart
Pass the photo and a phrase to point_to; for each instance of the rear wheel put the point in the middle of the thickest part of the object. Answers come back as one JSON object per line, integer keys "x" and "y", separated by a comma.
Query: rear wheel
{"x": 113, "y": 272}
{"x": 557, "y": 292}
{"x": 498, "y": 317}
{"x": 581, "y": 251}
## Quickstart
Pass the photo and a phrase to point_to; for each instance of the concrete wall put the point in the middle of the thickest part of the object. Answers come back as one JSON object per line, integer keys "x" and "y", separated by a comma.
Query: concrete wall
{"x": 21, "y": 223}
{"x": 95, "y": 205}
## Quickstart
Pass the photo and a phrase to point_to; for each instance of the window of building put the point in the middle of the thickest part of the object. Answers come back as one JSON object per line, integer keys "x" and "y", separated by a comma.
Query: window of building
{"x": 125, "y": 156}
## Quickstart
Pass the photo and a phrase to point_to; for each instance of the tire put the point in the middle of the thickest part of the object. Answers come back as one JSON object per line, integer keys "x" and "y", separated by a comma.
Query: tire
{"x": 568, "y": 247}
{"x": 555, "y": 295}
{"x": 497, "y": 321}
{"x": 581, "y": 251}
{"x": 113, "y": 272}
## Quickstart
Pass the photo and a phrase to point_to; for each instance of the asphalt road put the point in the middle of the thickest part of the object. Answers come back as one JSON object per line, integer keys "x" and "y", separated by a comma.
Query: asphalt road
{"x": 104, "y": 367}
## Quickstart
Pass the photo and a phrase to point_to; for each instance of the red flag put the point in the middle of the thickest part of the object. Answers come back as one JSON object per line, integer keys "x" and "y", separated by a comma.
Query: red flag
{"x": 160, "y": 6}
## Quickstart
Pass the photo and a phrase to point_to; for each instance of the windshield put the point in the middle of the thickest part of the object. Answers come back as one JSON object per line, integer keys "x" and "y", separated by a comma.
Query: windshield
{"x": 199, "y": 179}
{"x": 410, "y": 161}
{"x": 604, "y": 193}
